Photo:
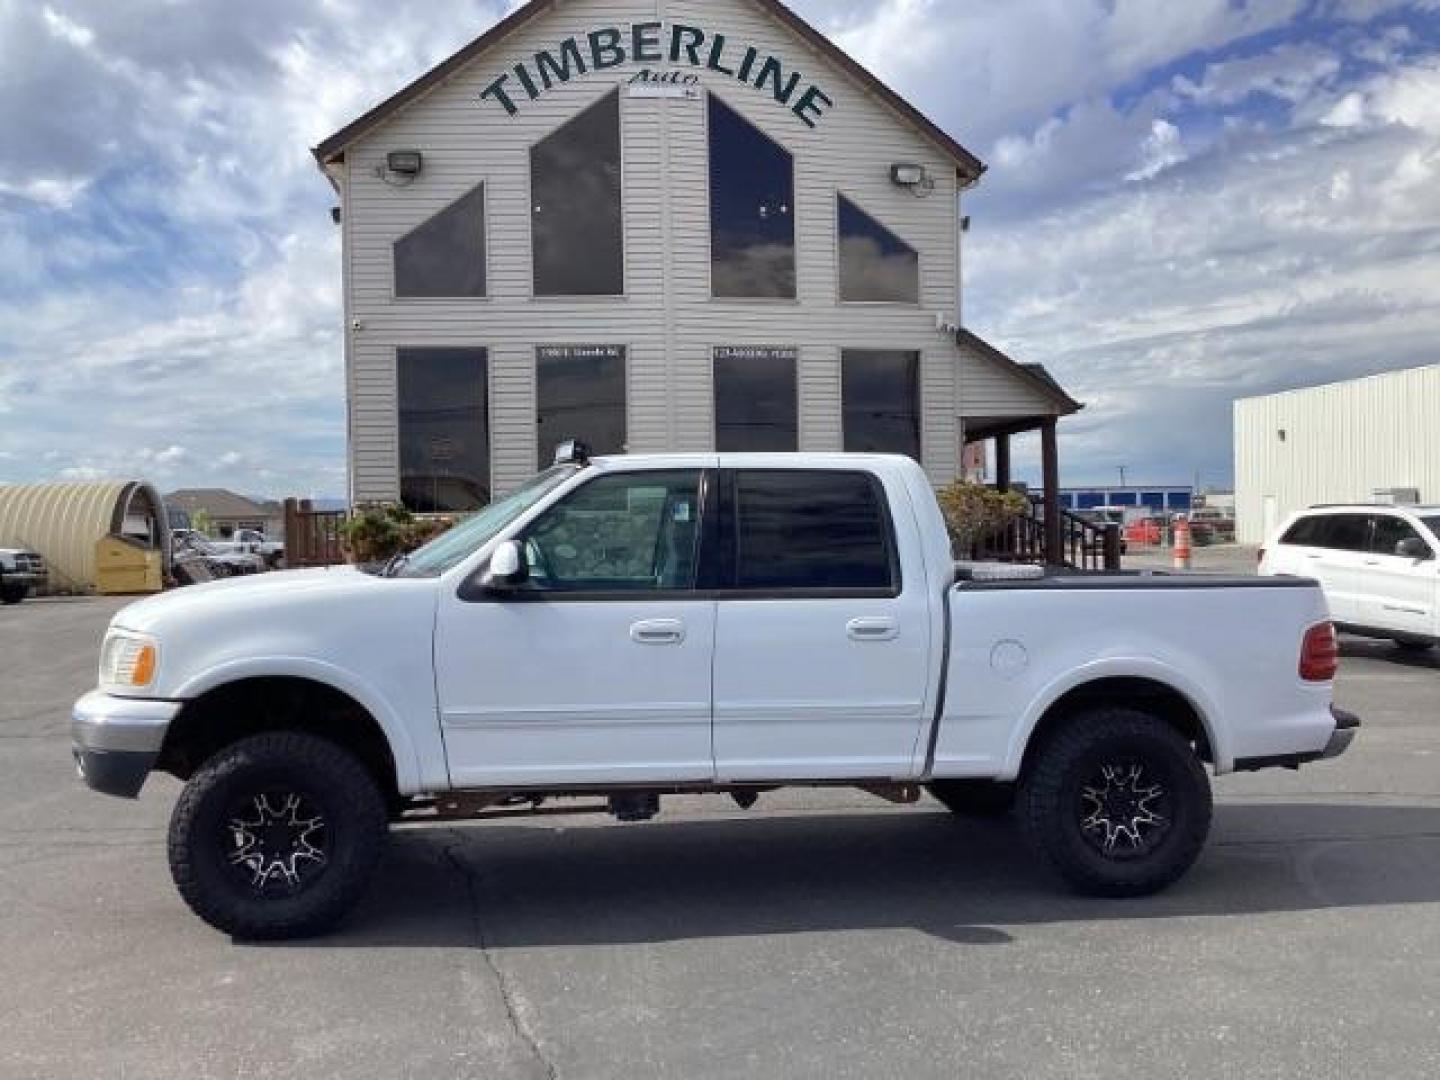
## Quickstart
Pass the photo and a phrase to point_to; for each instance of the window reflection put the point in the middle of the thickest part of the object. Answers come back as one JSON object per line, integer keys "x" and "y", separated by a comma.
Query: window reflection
{"x": 755, "y": 400}
{"x": 444, "y": 429}
{"x": 881, "y": 391}
{"x": 875, "y": 264}
{"x": 576, "y": 220}
{"x": 752, "y": 217}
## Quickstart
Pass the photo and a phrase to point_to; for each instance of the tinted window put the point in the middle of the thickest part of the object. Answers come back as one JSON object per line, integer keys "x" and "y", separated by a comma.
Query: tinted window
{"x": 1389, "y": 533}
{"x": 444, "y": 429}
{"x": 875, "y": 264}
{"x": 581, "y": 395}
{"x": 632, "y": 532}
{"x": 445, "y": 256}
{"x": 811, "y": 530}
{"x": 1344, "y": 532}
{"x": 752, "y": 200}
{"x": 755, "y": 400}
{"x": 1303, "y": 533}
{"x": 882, "y": 402}
{"x": 1433, "y": 524}
{"x": 575, "y": 215}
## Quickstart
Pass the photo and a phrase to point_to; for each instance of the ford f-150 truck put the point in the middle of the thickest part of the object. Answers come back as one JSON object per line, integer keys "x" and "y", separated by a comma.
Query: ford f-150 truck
{"x": 627, "y": 628}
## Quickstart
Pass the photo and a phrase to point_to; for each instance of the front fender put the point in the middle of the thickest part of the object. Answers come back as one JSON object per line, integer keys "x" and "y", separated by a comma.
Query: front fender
{"x": 410, "y": 773}
{"x": 1121, "y": 667}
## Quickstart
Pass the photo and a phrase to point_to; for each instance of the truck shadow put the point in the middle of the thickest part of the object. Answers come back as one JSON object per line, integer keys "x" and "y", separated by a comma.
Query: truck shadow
{"x": 539, "y": 886}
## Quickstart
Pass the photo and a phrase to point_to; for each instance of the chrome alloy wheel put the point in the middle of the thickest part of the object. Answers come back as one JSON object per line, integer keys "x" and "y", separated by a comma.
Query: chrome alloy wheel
{"x": 1124, "y": 810}
{"x": 276, "y": 842}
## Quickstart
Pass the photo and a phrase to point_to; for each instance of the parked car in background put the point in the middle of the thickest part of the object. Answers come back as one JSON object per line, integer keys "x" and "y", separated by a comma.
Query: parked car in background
{"x": 21, "y": 573}
{"x": 1147, "y": 531}
{"x": 253, "y": 542}
{"x": 1379, "y": 567}
{"x": 623, "y": 629}
{"x": 1219, "y": 524}
{"x": 224, "y": 560}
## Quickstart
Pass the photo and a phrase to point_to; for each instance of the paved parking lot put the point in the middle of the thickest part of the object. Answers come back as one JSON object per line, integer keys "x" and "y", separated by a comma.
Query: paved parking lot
{"x": 819, "y": 935}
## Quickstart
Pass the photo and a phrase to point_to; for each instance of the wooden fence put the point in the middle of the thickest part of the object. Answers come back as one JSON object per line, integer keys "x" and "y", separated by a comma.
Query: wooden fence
{"x": 312, "y": 537}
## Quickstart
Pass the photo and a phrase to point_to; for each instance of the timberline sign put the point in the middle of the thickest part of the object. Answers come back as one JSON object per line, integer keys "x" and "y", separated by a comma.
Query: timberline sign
{"x": 676, "y": 44}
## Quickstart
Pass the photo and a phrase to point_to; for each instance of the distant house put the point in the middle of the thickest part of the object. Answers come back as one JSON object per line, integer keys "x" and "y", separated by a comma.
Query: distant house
{"x": 228, "y": 511}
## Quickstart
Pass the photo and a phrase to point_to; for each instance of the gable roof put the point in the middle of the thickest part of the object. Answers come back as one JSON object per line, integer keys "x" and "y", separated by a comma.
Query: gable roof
{"x": 220, "y": 503}
{"x": 333, "y": 149}
{"x": 1033, "y": 375}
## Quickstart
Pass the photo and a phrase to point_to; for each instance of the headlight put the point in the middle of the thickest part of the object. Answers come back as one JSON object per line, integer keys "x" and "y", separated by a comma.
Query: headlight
{"x": 127, "y": 659}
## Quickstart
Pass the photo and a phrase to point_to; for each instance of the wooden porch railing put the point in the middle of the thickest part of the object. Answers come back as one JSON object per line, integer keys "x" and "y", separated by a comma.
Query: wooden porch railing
{"x": 312, "y": 537}
{"x": 1085, "y": 545}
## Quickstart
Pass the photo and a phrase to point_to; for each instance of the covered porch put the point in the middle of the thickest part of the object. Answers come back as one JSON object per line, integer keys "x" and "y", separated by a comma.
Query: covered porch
{"x": 1002, "y": 399}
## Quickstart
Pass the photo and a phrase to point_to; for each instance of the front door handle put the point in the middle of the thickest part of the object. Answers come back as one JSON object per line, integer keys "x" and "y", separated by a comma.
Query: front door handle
{"x": 658, "y": 632}
{"x": 872, "y": 629}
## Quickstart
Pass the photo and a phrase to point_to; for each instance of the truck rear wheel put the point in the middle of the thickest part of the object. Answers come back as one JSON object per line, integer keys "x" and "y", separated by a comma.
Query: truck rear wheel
{"x": 12, "y": 592}
{"x": 1117, "y": 802}
{"x": 974, "y": 798}
{"x": 276, "y": 836}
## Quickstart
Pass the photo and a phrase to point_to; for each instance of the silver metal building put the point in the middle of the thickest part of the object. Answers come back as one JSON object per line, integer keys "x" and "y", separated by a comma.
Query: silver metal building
{"x": 656, "y": 225}
{"x": 1366, "y": 440}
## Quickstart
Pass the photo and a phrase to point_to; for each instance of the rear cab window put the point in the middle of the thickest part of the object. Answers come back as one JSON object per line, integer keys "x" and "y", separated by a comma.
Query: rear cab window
{"x": 810, "y": 533}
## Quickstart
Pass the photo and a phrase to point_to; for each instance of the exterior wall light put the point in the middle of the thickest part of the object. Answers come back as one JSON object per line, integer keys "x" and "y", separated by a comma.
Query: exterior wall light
{"x": 405, "y": 162}
{"x": 911, "y": 176}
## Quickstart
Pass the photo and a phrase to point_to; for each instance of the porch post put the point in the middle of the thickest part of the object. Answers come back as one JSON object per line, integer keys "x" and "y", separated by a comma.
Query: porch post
{"x": 1050, "y": 470}
{"x": 1002, "y": 462}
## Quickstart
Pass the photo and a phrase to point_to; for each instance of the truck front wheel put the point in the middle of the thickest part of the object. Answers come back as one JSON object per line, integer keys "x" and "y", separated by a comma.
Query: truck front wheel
{"x": 1117, "y": 802}
{"x": 12, "y": 592}
{"x": 276, "y": 836}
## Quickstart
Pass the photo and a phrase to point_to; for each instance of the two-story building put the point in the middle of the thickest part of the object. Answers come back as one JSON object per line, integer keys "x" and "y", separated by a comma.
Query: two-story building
{"x": 657, "y": 225}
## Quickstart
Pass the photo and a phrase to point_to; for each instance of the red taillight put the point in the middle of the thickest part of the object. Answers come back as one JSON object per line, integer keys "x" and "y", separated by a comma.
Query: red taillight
{"x": 1320, "y": 654}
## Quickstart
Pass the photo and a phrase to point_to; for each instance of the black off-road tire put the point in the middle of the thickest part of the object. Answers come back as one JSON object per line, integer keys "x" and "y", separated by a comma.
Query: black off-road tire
{"x": 203, "y": 843}
{"x": 1054, "y": 809}
{"x": 13, "y": 593}
{"x": 974, "y": 798}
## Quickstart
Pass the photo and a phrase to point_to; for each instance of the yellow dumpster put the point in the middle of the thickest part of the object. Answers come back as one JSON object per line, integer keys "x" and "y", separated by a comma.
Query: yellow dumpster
{"x": 123, "y": 565}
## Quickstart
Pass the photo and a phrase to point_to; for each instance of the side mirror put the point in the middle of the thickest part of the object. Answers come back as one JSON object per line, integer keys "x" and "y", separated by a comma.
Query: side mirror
{"x": 507, "y": 568}
{"x": 1413, "y": 548}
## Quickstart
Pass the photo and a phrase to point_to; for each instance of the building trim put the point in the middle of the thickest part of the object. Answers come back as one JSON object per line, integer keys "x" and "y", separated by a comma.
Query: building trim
{"x": 1034, "y": 376}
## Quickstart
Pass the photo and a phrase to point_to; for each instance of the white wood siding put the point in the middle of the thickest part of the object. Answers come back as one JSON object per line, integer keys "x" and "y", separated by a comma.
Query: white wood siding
{"x": 667, "y": 319}
{"x": 1342, "y": 443}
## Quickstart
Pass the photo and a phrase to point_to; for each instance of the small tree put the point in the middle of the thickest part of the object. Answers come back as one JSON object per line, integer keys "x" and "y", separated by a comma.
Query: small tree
{"x": 974, "y": 510}
{"x": 376, "y": 532}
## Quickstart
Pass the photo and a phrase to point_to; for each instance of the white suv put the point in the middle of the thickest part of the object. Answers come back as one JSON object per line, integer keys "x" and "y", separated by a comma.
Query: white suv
{"x": 1379, "y": 566}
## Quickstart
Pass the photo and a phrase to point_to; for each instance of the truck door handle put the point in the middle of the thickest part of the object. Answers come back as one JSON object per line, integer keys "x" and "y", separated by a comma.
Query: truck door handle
{"x": 874, "y": 629}
{"x": 658, "y": 632}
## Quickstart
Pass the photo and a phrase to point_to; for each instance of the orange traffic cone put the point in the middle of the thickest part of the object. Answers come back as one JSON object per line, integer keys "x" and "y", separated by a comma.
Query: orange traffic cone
{"x": 1182, "y": 542}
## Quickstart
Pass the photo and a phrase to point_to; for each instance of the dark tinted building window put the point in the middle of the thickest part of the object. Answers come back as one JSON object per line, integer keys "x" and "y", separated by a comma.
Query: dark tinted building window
{"x": 576, "y": 222}
{"x": 875, "y": 264}
{"x": 811, "y": 530}
{"x": 755, "y": 400}
{"x": 881, "y": 396}
{"x": 581, "y": 395}
{"x": 752, "y": 209}
{"x": 445, "y": 256}
{"x": 444, "y": 429}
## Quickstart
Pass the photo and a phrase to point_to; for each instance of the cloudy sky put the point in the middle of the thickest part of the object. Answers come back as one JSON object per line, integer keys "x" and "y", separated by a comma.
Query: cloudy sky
{"x": 1188, "y": 202}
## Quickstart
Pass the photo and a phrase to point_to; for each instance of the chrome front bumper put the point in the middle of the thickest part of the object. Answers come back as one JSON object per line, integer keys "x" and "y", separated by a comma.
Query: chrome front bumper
{"x": 116, "y": 740}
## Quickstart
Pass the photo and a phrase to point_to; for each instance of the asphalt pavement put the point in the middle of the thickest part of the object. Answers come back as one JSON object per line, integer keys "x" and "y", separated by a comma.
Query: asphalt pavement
{"x": 821, "y": 934}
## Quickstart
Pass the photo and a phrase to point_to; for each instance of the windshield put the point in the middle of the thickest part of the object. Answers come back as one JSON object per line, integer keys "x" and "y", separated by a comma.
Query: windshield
{"x": 1432, "y": 522}
{"x": 454, "y": 546}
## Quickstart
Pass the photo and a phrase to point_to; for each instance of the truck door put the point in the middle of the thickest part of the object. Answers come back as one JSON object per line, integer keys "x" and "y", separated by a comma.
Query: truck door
{"x": 822, "y": 646}
{"x": 597, "y": 668}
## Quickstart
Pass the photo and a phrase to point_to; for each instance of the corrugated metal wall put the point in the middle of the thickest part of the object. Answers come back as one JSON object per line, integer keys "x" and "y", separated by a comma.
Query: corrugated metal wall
{"x": 1341, "y": 443}
{"x": 63, "y": 521}
{"x": 667, "y": 320}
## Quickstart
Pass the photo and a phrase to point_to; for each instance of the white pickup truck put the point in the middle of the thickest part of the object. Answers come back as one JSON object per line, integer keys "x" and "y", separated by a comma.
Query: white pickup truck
{"x": 632, "y": 627}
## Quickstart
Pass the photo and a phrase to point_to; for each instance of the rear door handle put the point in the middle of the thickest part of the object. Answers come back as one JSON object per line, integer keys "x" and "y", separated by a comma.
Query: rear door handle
{"x": 658, "y": 632}
{"x": 872, "y": 629}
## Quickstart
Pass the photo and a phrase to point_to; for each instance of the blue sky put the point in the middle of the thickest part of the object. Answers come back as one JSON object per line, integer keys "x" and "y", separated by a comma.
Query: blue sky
{"x": 1187, "y": 202}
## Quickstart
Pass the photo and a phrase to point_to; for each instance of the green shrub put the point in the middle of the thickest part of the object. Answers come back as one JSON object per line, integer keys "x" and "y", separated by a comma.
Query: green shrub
{"x": 974, "y": 510}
